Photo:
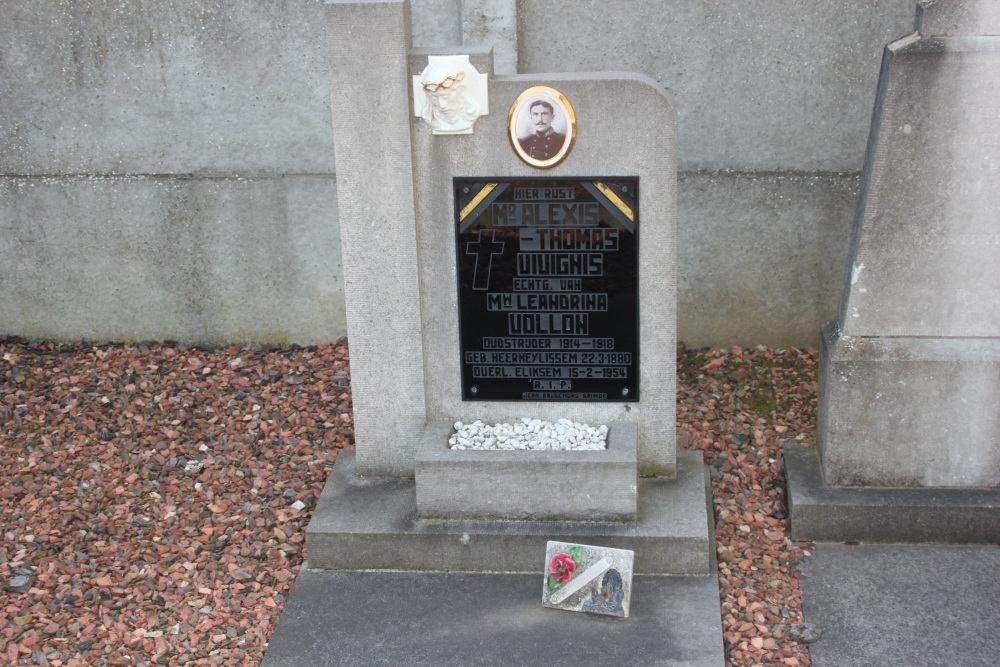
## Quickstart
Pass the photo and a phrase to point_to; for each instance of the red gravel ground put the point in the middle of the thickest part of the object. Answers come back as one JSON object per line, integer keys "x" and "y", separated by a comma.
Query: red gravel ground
{"x": 738, "y": 407}
{"x": 154, "y": 498}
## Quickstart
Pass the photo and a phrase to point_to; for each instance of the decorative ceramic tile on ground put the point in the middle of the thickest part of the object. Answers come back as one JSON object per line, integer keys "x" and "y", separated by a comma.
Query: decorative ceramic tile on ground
{"x": 579, "y": 577}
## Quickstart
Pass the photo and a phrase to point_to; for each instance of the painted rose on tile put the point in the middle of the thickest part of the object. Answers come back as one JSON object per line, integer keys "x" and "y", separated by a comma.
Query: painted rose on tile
{"x": 562, "y": 567}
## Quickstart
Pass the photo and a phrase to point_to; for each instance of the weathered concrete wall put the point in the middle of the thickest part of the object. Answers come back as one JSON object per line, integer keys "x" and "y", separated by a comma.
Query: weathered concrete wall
{"x": 774, "y": 101}
{"x": 170, "y": 258}
{"x": 166, "y": 172}
{"x": 761, "y": 256}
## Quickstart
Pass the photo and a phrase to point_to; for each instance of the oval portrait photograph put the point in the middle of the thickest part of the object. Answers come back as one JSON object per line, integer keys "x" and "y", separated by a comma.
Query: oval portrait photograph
{"x": 542, "y": 126}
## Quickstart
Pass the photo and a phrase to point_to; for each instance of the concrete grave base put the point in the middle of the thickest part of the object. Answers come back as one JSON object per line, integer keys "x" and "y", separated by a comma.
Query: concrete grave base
{"x": 823, "y": 512}
{"x": 909, "y": 411}
{"x": 449, "y": 619}
{"x": 372, "y": 524}
{"x": 595, "y": 485}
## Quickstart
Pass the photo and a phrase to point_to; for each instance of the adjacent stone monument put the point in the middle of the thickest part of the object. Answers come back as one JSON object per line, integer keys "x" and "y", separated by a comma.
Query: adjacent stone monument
{"x": 502, "y": 267}
{"x": 910, "y": 371}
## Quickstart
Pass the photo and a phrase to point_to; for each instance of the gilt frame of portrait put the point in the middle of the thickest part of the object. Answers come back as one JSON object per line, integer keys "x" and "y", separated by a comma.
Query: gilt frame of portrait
{"x": 520, "y": 128}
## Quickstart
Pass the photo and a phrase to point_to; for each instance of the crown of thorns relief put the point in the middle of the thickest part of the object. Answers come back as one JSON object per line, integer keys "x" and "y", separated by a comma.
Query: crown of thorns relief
{"x": 446, "y": 83}
{"x": 450, "y": 94}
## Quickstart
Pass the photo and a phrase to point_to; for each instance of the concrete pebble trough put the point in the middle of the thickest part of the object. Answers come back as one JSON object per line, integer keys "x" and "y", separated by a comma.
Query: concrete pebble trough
{"x": 529, "y": 434}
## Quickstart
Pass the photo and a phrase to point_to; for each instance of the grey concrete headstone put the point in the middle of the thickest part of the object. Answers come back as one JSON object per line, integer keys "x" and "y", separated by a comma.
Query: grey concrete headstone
{"x": 608, "y": 144}
{"x": 397, "y": 213}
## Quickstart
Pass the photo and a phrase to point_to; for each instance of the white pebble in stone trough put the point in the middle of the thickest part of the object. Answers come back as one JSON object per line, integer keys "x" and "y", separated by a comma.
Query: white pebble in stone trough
{"x": 529, "y": 434}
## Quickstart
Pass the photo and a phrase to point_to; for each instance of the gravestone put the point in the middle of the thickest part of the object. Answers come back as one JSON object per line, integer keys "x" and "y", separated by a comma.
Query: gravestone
{"x": 509, "y": 256}
{"x": 910, "y": 371}
{"x": 487, "y": 279}
{"x": 486, "y": 282}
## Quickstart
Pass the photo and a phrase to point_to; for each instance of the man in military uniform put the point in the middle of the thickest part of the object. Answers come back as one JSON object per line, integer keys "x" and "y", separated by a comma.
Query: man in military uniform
{"x": 544, "y": 142}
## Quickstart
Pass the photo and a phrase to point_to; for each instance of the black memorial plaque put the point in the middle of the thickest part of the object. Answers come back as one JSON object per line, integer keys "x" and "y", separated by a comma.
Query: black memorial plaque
{"x": 548, "y": 288}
